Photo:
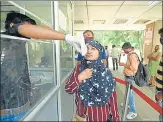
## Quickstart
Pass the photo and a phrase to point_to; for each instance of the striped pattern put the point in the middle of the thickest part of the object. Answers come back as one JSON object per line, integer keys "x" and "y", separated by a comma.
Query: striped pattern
{"x": 159, "y": 77}
{"x": 93, "y": 113}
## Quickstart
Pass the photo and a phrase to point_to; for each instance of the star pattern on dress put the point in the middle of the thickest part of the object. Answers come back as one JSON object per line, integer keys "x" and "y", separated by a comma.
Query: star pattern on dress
{"x": 96, "y": 91}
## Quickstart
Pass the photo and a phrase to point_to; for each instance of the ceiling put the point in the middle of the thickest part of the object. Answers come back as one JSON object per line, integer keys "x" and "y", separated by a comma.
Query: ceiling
{"x": 116, "y": 15}
{"x": 97, "y": 15}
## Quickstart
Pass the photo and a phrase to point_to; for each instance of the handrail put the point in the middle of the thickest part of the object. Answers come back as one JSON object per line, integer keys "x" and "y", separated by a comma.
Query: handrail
{"x": 13, "y": 37}
{"x": 24, "y": 39}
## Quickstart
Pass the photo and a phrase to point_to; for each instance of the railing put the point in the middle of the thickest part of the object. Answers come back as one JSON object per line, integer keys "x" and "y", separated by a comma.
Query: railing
{"x": 147, "y": 100}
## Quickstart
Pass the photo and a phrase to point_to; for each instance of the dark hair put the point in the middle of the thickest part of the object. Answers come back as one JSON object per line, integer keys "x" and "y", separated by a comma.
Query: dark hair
{"x": 14, "y": 17}
{"x": 126, "y": 45}
{"x": 157, "y": 45}
{"x": 88, "y": 31}
{"x": 113, "y": 46}
{"x": 160, "y": 31}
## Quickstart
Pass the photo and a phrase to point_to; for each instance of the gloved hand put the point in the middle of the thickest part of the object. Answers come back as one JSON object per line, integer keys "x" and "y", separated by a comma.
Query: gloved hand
{"x": 77, "y": 42}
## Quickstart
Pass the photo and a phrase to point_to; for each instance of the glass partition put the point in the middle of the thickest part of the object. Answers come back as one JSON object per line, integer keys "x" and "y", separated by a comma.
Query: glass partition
{"x": 31, "y": 64}
{"x": 65, "y": 24}
{"x": 27, "y": 75}
{"x": 41, "y": 66}
{"x": 42, "y": 11}
{"x": 5, "y": 8}
{"x": 27, "y": 67}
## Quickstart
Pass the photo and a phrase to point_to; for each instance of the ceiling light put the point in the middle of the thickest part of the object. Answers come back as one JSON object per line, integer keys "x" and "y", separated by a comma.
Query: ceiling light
{"x": 152, "y": 3}
{"x": 120, "y": 21}
{"x": 141, "y": 21}
{"x": 98, "y": 21}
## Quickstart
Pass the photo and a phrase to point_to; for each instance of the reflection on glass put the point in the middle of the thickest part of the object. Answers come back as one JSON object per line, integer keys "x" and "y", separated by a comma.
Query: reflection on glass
{"x": 5, "y": 8}
{"x": 42, "y": 9}
{"x": 23, "y": 85}
{"x": 41, "y": 68}
{"x": 15, "y": 82}
{"x": 66, "y": 59}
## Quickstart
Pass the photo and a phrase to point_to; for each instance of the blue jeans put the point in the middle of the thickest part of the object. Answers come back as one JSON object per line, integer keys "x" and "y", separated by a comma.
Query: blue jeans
{"x": 130, "y": 80}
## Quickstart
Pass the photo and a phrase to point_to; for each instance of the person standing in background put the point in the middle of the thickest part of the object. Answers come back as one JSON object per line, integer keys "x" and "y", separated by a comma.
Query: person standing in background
{"x": 115, "y": 56}
{"x": 130, "y": 68}
{"x": 107, "y": 56}
{"x": 153, "y": 64}
{"x": 159, "y": 79}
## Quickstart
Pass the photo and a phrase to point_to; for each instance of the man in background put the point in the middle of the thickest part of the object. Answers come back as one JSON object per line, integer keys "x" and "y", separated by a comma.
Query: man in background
{"x": 130, "y": 68}
{"x": 107, "y": 56}
{"x": 159, "y": 78}
{"x": 153, "y": 64}
{"x": 115, "y": 57}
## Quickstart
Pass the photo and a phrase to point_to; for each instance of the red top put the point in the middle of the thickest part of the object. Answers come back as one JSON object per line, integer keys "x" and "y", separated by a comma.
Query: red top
{"x": 93, "y": 113}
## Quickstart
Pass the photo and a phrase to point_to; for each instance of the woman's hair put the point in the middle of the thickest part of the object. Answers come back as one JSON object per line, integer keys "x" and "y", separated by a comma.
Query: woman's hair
{"x": 88, "y": 31}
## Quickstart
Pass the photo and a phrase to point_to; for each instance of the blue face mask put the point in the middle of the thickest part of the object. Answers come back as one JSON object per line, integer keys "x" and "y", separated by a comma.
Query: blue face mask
{"x": 161, "y": 41}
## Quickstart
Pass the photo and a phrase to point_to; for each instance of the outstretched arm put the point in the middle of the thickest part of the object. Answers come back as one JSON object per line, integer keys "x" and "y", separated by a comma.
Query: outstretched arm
{"x": 40, "y": 32}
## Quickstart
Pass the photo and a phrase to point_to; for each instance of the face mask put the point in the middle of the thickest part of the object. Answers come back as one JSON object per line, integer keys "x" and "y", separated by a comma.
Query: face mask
{"x": 161, "y": 41}
{"x": 127, "y": 52}
{"x": 88, "y": 38}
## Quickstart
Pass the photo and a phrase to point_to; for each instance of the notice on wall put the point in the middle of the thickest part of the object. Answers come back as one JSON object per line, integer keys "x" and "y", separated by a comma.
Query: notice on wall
{"x": 148, "y": 39}
{"x": 149, "y": 34}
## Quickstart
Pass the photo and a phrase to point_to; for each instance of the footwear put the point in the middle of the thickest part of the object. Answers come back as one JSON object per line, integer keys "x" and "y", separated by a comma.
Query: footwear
{"x": 122, "y": 105}
{"x": 131, "y": 115}
{"x": 151, "y": 85}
